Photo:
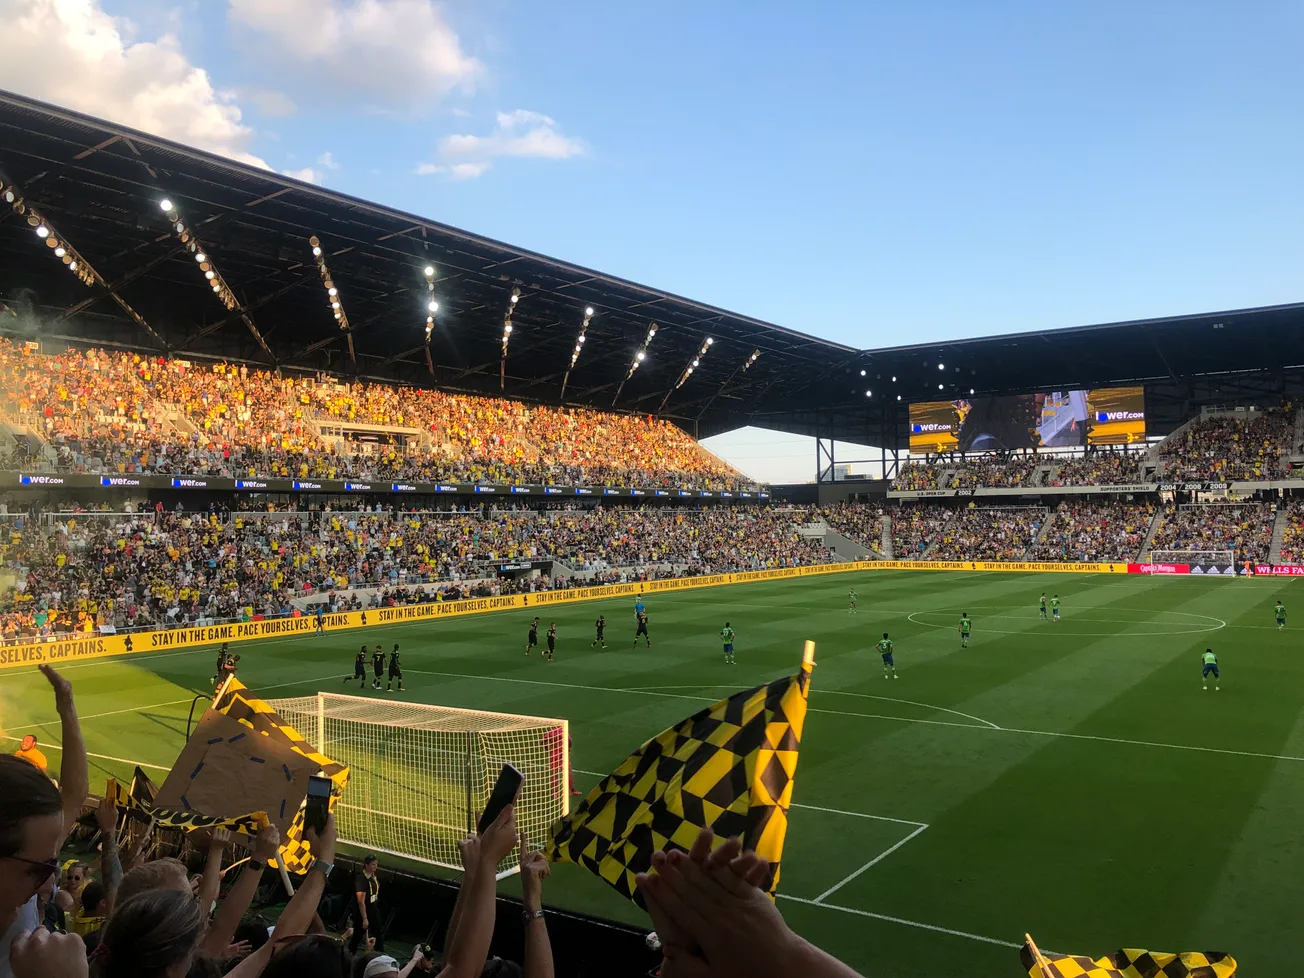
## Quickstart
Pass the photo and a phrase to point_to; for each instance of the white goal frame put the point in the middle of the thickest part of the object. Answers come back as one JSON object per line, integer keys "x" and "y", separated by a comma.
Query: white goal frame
{"x": 1204, "y": 557}
{"x": 415, "y": 802}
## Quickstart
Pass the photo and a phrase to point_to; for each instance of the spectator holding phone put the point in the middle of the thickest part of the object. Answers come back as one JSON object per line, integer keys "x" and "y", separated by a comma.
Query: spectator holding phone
{"x": 34, "y": 820}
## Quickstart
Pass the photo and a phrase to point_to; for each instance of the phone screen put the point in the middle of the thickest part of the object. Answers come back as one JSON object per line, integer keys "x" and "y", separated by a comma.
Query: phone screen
{"x": 506, "y": 789}
{"x": 317, "y": 805}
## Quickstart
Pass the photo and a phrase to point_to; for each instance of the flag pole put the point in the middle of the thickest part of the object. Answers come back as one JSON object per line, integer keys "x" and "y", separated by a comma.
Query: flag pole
{"x": 1042, "y": 963}
{"x": 808, "y": 655}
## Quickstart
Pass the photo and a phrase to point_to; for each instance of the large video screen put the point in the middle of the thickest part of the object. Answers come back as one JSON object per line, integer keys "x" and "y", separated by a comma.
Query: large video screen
{"x": 1058, "y": 419}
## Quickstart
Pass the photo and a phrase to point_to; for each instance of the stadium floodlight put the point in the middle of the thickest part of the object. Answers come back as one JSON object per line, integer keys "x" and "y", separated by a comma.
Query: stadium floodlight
{"x": 639, "y": 357}
{"x": 53, "y": 241}
{"x": 869, "y": 393}
{"x": 894, "y": 378}
{"x": 512, "y": 300}
{"x": 898, "y": 397}
{"x": 752, "y": 359}
{"x": 420, "y": 775}
{"x": 971, "y": 391}
{"x": 941, "y": 366}
{"x": 693, "y": 364}
{"x": 862, "y": 373}
{"x": 332, "y": 293}
{"x": 939, "y": 387}
{"x": 432, "y": 307}
{"x": 579, "y": 345}
{"x": 187, "y": 238}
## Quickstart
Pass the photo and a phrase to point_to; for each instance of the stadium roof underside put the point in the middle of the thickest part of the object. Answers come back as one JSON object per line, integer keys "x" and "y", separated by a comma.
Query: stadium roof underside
{"x": 98, "y": 186}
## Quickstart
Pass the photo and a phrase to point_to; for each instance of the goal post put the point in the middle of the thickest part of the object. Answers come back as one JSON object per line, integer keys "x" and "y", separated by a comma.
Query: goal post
{"x": 421, "y": 775}
{"x": 1212, "y": 562}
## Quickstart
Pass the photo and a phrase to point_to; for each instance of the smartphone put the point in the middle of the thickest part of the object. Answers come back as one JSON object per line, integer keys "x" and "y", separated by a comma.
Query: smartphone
{"x": 507, "y": 787}
{"x": 317, "y": 806}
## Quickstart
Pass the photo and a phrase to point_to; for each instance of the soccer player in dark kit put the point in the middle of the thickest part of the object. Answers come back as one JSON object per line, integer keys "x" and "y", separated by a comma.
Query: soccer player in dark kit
{"x": 395, "y": 672}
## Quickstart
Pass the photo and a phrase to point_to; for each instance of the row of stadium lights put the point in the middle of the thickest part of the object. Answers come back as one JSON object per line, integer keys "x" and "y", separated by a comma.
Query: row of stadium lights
{"x": 940, "y": 366}
{"x": 228, "y": 299}
{"x": 188, "y": 238}
{"x": 65, "y": 252}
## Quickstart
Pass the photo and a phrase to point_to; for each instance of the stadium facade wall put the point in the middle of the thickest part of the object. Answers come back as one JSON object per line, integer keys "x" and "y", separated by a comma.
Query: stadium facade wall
{"x": 24, "y": 480}
{"x": 98, "y": 646}
{"x": 1234, "y": 488}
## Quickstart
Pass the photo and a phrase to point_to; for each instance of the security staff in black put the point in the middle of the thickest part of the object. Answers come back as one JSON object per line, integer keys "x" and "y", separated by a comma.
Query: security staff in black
{"x": 533, "y": 640}
{"x": 395, "y": 672}
{"x": 364, "y": 912}
{"x": 359, "y": 668}
{"x": 378, "y": 666}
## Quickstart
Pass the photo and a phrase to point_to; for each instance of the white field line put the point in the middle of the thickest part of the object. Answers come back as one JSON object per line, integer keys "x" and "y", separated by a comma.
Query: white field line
{"x": 901, "y": 920}
{"x": 880, "y": 716}
{"x": 839, "y": 692}
{"x": 869, "y": 865}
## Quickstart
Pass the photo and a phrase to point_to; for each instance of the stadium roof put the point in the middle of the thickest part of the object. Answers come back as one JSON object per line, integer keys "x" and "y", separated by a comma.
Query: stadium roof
{"x": 99, "y": 186}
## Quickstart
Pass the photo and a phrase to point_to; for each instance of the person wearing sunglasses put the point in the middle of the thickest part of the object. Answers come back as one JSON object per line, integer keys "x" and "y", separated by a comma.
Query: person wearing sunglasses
{"x": 35, "y": 818}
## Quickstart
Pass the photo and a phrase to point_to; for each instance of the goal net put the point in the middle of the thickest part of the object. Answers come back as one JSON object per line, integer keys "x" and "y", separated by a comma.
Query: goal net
{"x": 1216, "y": 562}
{"x": 421, "y": 775}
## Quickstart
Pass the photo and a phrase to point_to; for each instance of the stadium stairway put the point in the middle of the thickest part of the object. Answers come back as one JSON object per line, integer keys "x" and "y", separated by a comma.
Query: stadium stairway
{"x": 1279, "y": 526}
{"x": 1041, "y": 475}
{"x": 845, "y": 547}
{"x": 1041, "y": 533}
{"x": 1156, "y": 522}
{"x": 887, "y": 538}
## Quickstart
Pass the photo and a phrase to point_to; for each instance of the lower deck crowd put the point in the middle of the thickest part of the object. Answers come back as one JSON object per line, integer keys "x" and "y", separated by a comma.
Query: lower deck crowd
{"x": 74, "y": 570}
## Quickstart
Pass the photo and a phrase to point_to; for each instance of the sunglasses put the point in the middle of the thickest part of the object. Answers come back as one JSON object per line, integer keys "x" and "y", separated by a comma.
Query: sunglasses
{"x": 38, "y": 871}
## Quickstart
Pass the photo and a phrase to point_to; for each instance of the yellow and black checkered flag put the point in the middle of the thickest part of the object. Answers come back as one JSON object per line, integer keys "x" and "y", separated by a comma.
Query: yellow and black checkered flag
{"x": 1128, "y": 963}
{"x": 235, "y": 700}
{"x": 250, "y": 824}
{"x": 729, "y": 767}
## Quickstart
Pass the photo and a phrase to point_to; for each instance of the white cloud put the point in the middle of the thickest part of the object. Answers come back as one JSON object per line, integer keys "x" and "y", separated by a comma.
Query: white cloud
{"x": 307, "y": 174}
{"x": 327, "y": 160}
{"x": 72, "y": 53}
{"x": 401, "y": 50}
{"x": 456, "y": 171}
{"x": 269, "y": 102}
{"x": 520, "y": 133}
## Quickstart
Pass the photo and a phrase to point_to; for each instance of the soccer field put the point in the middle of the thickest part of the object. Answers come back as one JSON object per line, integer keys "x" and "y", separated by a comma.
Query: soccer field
{"x": 1070, "y": 779}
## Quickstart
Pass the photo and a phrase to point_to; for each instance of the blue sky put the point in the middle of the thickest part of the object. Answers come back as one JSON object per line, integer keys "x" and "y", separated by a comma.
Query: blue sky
{"x": 873, "y": 173}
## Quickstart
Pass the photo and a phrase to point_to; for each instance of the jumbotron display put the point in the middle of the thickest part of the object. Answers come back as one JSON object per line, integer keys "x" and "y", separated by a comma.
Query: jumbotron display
{"x": 1058, "y": 419}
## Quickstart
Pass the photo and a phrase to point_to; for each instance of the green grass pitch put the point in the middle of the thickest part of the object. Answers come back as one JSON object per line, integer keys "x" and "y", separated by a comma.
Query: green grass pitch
{"x": 1070, "y": 779}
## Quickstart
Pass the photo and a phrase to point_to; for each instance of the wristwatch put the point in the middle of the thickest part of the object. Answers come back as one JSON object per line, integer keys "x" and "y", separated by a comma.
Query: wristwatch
{"x": 324, "y": 866}
{"x": 529, "y": 915}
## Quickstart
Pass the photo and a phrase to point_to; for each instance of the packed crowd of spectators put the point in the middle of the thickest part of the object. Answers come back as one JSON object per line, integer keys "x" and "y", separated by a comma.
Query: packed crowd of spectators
{"x": 859, "y": 523}
{"x": 1225, "y": 448}
{"x": 161, "y": 568}
{"x": 1095, "y": 531}
{"x": 119, "y": 412}
{"x": 938, "y": 532}
{"x": 995, "y": 471}
{"x": 1292, "y": 540}
{"x": 1098, "y": 469}
{"x": 915, "y": 476}
{"x": 1245, "y": 528}
{"x": 986, "y": 533}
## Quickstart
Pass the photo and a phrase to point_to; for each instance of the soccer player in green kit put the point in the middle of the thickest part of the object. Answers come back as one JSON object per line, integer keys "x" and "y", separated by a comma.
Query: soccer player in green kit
{"x": 1043, "y": 605}
{"x": 1054, "y": 607}
{"x": 885, "y": 649}
{"x": 727, "y": 637}
{"x": 966, "y": 626}
{"x": 1279, "y": 612}
{"x": 1209, "y": 664}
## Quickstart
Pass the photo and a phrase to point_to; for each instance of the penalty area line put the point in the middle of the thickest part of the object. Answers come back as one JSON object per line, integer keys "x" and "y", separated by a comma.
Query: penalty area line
{"x": 901, "y": 920}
